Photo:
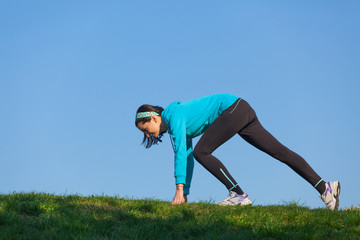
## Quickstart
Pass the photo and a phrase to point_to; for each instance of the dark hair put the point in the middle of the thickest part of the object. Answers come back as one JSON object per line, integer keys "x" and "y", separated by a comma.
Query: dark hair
{"x": 149, "y": 108}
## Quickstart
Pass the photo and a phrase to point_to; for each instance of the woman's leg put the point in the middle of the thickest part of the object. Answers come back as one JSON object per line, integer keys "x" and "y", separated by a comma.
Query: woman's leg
{"x": 256, "y": 135}
{"x": 222, "y": 129}
{"x": 241, "y": 118}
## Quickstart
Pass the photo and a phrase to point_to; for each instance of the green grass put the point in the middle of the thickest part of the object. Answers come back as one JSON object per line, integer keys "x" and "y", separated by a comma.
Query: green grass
{"x": 45, "y": 216}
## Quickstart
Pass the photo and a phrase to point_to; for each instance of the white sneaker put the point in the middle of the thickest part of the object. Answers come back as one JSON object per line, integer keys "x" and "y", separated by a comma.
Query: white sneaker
{"x": 235, "y": 199}
{"x": 331, "y": 195}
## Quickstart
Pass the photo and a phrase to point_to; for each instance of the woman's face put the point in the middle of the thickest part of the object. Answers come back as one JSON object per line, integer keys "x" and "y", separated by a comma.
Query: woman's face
{"x": 152, "y": 128}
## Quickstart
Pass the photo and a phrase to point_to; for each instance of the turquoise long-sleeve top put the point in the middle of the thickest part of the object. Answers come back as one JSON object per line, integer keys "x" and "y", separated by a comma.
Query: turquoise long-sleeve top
{"x": 186, "y": 120}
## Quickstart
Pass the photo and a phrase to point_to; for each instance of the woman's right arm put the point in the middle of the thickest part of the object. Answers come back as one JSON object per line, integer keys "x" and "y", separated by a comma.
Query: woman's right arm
{"x": 179, "y": 195}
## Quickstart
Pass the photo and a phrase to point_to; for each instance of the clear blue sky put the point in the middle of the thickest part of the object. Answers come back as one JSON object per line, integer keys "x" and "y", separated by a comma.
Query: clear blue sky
{"x": 73, "y": 73}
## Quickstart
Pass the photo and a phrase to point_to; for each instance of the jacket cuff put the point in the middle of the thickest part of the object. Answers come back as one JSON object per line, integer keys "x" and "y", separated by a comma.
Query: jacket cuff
{"x": 180, "y": 179}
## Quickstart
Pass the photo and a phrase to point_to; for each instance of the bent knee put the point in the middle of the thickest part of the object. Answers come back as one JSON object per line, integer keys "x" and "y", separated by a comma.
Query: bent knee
{"x": 200, "y": 154}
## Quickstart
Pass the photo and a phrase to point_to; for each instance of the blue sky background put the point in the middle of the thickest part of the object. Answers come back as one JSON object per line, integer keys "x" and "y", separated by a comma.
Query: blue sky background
{"x": 73, "y": 73}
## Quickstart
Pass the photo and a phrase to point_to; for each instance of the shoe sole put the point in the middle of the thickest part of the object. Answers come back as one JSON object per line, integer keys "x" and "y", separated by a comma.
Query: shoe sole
{"x": 234, "y": 204}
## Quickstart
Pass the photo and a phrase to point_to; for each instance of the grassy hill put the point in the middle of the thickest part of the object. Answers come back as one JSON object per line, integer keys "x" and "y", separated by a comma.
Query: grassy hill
{"x": 45, "y": 216}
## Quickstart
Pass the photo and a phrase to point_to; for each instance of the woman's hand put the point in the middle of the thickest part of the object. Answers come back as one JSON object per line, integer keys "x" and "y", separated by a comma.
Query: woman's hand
{"x": 179, "y": 195}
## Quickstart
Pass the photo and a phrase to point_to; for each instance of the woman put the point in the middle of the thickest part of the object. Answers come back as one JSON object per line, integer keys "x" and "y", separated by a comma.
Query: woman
{"x": 219, "y": 117}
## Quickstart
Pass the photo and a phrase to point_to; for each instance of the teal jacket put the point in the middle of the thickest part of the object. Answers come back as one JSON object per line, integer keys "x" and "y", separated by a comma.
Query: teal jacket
{"x": 186, "y": 120}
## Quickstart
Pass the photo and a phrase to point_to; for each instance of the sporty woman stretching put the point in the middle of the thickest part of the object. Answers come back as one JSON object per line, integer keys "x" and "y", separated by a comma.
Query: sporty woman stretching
{"x": 219, "y": 117}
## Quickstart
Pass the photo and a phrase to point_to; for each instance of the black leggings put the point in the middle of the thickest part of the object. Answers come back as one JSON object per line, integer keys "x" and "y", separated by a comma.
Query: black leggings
{"x": 240, "y": 118}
